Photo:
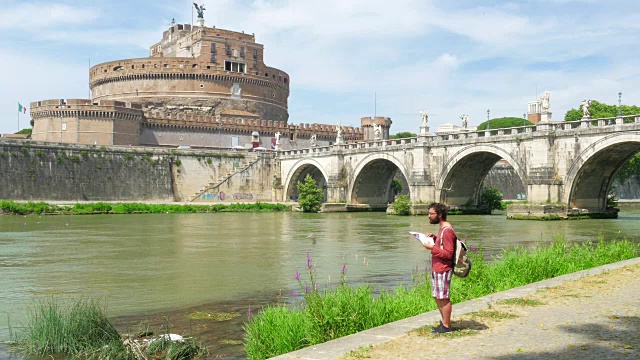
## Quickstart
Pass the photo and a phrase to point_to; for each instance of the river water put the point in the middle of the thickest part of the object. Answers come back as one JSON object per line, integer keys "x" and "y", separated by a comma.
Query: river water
{"x": 157, "y": 268}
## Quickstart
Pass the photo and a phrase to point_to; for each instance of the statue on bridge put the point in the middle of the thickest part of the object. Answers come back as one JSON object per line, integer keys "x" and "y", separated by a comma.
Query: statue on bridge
{"x": 544, "y": 102}
{"x": 339, "y": 134}
{"x": 585, "y": 108}
{"x": 464, "y": 118}
{"x": 377, "y": 130}
{"x": 425, "y": 118}
{"x": 277, "y": 135}
{"x": 313, "y": 140}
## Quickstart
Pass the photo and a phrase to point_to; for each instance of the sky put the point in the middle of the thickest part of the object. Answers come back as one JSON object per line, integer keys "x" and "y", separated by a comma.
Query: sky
{"x": 350, "y": 58}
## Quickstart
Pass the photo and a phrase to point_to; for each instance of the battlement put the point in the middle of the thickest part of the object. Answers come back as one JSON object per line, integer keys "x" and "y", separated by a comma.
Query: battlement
{"x": 82, "y": 104}
{"x": 86, "y": 108}
{"x": 378, "y": 120}
{"x": 248, "y": 125}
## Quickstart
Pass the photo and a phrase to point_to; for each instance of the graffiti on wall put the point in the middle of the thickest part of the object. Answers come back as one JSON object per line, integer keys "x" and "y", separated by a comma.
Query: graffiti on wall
{"x": 221, "y": 196}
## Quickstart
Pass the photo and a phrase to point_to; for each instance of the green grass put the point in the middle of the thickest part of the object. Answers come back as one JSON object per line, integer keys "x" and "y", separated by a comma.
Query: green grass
{"x": 337, "y": 312}
{"x": 79, "y": 329}
{"x": 14, "y": 208}
{"x": 74, "y": 328}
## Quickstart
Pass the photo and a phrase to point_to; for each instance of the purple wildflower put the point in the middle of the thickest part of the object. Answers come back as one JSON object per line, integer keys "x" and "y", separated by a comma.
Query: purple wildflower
{"x": 306, "y": 289}
{"x": 297, "y": 274}
{"x": 293, "y": 295}
{"x": 249, "y": 313}
{"x": 315, "y": 286}
{"x": 344, "y": 268}
{"x": 308, "y": 260}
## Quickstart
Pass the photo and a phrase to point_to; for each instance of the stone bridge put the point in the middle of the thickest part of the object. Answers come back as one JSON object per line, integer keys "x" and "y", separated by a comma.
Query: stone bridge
{"x": 570, "y": 164}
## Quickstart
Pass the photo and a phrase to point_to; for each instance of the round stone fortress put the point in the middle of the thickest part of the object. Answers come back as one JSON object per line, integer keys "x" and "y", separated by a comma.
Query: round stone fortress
{"x": 200, "y": 87}
{"x": 200, "y": 71}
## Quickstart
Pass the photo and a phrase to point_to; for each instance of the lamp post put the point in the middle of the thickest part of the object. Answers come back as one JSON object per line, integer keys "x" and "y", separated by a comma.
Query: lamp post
{"x": 524, "y": 119}
{"x": 488, "y": 121}
{"x": 620, "y": 104}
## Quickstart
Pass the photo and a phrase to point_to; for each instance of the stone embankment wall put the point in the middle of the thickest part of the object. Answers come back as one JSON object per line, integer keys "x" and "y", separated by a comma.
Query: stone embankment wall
{"x": 46, "y": 171}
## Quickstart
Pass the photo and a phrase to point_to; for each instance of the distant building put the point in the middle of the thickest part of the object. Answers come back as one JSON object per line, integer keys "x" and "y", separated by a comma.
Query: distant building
{"x": 200, "y": 86}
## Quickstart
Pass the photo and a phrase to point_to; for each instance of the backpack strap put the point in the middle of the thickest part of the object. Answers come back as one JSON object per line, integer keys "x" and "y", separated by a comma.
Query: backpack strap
{"x": 442, "y": 235}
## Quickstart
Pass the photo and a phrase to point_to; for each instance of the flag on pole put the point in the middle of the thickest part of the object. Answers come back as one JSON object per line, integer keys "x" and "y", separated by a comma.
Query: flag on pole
{"x": 22, "y": 109}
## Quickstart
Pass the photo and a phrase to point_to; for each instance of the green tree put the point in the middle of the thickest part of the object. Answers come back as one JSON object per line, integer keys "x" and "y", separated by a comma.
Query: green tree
{"x": 504, "y": 122}
{"x": 492, "y": 197}
{"x": 402, "y": 205}
{"x": 600, "y": 110}
{"x": 396, "y": 186}
{"x": 403, "y": 135}
{"x": 25, "y": 131}
{"x": 309, "y": 195}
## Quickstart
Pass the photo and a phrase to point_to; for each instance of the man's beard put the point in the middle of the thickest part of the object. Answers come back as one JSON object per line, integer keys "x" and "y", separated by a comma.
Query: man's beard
{"x": 435, "y": 221}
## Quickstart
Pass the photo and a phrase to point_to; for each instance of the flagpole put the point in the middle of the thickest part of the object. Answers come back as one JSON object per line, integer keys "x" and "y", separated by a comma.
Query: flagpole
{"x": 18, "y": 119}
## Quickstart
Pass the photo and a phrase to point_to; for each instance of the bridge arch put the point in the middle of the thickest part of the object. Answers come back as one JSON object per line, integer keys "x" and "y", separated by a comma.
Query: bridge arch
{"x": 299, "y": 171}
{"x": 372, "y": 178}
{"x": 590, "y": 176}
{"x": 462, "y": 175}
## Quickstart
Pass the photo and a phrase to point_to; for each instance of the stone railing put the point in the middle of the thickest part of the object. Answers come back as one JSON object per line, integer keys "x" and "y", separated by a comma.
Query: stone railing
{"x": 558, "y": 127}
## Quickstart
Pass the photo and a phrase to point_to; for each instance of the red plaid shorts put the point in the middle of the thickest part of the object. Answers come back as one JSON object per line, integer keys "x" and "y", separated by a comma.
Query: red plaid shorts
{"x": 440, "y": 284}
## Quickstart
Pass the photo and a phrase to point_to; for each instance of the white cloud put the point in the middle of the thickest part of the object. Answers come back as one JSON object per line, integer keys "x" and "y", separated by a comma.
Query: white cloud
{"x": 450, "y": 58}
{"x": 38, "y": 16}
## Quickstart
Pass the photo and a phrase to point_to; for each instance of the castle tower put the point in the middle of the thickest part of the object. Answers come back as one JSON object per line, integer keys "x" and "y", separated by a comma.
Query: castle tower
{"x": 198, "y": 70}
{"x": 368, "y": 127}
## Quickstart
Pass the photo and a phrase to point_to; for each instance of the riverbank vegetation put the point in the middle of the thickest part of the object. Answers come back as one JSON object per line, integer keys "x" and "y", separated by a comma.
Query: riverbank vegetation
{"x": 42, "y": 208}
{"x": 309, "y": 195}
{"x": 335, "y": 312}
{"x": 80, "y": 329}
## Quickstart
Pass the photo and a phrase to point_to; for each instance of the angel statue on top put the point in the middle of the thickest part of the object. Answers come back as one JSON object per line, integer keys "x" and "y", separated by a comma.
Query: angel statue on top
{"x": 200, "y": 10}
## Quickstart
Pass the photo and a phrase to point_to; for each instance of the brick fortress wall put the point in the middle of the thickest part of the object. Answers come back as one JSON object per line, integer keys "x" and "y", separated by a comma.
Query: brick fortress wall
{"x": 197, "y": 83}
{"x": 81, "y": 121}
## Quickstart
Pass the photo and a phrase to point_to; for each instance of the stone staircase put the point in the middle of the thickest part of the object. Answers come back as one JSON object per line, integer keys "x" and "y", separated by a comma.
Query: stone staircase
{"x": 247, "y": 162}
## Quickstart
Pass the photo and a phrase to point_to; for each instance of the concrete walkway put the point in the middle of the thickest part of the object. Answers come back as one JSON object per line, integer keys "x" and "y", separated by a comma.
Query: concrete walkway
{"x": 591, "y": 314}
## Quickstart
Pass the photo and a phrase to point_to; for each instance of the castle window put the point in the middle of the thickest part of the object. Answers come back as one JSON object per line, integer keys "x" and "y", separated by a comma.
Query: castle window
{"x": 242, "y": 52}
{"x": 64, "y": 126}
{"x": 234, "y": 66}
{"x": 228, "y": 50}
{"x": 255, "y": 65}
{"x": 201, "y": 86}
{"x": 213, "y": 53}
{"x": 266, "y": 74}
{"x": 286, "y": 80}
{"x": 255, "y": 53}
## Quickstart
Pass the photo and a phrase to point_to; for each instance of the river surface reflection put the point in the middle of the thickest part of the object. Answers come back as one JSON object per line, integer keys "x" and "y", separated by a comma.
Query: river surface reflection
{"x": 146, "y": 265}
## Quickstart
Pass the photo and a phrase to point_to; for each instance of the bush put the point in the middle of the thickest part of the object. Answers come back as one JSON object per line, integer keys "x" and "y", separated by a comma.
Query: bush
{"x": 492, "y": 197}
{"x": 309, "y": 195}
{"x": 402, "y": 205}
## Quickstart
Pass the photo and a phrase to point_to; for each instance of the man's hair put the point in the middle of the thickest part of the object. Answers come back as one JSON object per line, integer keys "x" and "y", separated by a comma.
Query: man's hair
{"x": 441, "y": 209}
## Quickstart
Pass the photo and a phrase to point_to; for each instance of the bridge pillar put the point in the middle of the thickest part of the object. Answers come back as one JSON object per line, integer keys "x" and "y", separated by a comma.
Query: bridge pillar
{"x": 422, "y": 193}
{"x": 336, "y": 192}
